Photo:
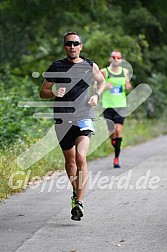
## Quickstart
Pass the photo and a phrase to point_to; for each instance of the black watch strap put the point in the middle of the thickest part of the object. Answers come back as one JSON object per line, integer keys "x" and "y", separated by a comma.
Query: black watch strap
{"x": 97, "y": 95}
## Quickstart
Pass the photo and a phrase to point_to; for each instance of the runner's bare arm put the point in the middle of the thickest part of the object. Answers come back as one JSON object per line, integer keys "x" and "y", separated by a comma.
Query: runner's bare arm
{"x": 99, "y": 78}
{"x": 128, "y": 85}
{"x": 46, "y": 91}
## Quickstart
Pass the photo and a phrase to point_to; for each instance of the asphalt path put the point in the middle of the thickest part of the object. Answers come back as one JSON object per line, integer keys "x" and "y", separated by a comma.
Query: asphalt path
{"x": 124, "y": 209}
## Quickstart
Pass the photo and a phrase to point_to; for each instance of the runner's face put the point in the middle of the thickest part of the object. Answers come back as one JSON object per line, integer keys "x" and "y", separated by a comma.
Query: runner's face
{"x": 72, "y": 50}
{"x": 116, "y": 59}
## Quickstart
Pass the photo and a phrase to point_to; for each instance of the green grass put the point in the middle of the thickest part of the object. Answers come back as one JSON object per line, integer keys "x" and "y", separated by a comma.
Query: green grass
{"x": 134, "y": 132}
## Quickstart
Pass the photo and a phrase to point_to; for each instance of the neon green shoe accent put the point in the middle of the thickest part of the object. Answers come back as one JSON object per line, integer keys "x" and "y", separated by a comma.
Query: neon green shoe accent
{"x": 73, "y": 201}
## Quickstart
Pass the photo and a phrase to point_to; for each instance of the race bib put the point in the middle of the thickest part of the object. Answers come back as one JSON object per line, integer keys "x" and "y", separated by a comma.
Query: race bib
{"x": 86, "y": 124}
{"x": 116, "y": 90}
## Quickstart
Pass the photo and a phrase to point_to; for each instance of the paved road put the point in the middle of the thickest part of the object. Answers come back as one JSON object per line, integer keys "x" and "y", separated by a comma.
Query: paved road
{"x": 125, "y": 209}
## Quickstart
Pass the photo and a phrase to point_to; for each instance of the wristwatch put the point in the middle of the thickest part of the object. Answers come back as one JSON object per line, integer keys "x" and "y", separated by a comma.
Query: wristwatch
{"x": 97, "y": 95}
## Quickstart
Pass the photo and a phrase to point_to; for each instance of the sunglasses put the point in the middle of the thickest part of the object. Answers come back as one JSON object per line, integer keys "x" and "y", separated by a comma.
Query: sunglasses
{"x": 116, "y": 57}
{"x": 70, "y": 43}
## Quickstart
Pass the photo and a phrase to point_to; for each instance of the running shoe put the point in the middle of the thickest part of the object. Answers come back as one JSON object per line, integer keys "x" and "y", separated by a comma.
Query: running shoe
{"x": 77, "y": 211}
{"x": 116, "y": 163}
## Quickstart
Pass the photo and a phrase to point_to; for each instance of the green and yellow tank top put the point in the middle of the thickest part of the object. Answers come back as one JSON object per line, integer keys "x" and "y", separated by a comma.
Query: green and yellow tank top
{"x": 116, "y": 96}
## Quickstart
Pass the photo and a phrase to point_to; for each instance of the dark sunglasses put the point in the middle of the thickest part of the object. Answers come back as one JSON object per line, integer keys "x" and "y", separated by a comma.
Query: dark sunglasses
{"x": 70, "y": 43}
{"x": 116, "y": 57}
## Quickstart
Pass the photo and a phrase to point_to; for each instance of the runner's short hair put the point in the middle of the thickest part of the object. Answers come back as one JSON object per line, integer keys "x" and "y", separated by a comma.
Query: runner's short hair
{"x": 71, "y": 33}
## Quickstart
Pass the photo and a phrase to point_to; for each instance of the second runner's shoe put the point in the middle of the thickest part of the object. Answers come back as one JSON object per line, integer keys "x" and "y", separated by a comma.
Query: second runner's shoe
{"x": 116, "y": 163}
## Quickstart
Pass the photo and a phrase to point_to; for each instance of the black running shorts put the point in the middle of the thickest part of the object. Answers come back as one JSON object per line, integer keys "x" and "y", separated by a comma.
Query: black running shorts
{"x": 68, "y": 133}
{"x": 113, "y": 114}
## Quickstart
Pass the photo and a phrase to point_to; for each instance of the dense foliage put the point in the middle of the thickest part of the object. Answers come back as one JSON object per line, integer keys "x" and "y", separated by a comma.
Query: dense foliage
{"x": 31, "y": 34}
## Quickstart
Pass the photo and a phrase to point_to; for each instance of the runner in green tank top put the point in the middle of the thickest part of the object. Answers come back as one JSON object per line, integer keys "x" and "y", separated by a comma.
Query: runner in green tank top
{"x": 114, "y": 100}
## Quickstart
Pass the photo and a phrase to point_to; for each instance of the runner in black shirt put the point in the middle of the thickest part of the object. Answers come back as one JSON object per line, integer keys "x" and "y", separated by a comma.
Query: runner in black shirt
{"x": 73, "y": 111}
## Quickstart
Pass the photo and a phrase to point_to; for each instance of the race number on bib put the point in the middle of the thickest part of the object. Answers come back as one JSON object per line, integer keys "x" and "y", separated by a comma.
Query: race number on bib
{"x": 116, "y": 90}
{"x": 86, "y": 124}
